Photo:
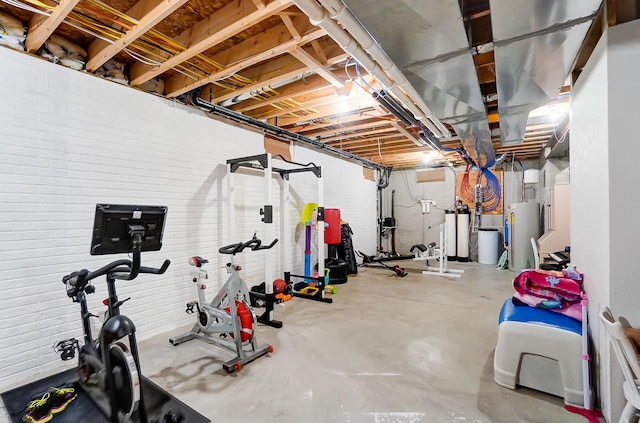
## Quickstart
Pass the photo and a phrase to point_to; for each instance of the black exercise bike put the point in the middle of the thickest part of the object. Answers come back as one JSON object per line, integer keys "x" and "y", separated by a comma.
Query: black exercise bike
{"x": 107, "y": 360}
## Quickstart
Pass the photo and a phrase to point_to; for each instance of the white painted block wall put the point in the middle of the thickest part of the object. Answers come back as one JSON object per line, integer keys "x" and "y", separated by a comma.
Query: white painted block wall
{"x": 69, "y": 140}
{"x": 548, "y": 173}
{"x": 604, "y": 231}
{"x": 414, "y": 227}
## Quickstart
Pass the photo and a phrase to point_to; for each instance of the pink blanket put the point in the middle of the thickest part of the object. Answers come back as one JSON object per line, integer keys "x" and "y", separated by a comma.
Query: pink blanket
{"x": 551, "y": 290}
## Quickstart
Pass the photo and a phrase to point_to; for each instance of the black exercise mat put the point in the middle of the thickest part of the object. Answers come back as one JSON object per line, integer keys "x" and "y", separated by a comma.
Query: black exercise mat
{"x": 157, "y": 401}
{"x": 17, "y": 399}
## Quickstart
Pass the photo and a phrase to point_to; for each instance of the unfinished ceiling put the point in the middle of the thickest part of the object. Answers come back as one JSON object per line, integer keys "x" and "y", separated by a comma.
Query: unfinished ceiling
{"x": 389, "y": 82}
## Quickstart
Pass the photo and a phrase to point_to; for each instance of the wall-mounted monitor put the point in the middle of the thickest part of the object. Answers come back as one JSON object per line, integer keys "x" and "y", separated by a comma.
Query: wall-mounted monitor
{"x": 113, "y": 225}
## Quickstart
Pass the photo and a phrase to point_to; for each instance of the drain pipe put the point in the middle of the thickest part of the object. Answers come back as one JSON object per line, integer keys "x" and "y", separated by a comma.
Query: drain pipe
{"x": 396, "y": 109}
{"x": 339, "y": 11}
{"x": 274, "y": 131}
{"x": 379, "y": 68}
{"x": 254, "y": 93}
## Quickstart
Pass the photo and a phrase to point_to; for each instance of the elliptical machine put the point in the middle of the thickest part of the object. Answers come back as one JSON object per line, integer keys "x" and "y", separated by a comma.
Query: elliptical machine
{"x": 107, "y": 359}
{"x": 229, "y": 314}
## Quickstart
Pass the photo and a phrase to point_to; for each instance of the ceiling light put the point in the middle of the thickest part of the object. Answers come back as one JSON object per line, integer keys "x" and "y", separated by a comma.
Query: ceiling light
{"x": 553, "y": 112}
{"x": 426, "y": 158}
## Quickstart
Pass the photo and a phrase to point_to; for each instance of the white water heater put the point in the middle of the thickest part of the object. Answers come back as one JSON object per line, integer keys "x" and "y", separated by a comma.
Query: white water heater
{"x": 524, "y": 224}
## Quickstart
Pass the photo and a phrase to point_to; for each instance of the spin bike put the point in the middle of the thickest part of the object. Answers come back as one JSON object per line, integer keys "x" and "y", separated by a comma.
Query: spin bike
{"x": 229, "y": 314}
{"x": 106, "y": 360}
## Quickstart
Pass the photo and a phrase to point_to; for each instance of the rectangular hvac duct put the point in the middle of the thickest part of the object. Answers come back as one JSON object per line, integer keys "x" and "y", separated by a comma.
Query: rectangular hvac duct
{"x": 535, "y": 45}
{"x": 426, "y": 40}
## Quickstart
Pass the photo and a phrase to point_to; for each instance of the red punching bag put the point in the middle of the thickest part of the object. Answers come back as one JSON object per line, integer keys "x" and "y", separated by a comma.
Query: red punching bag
{"x": 332, "y": 232}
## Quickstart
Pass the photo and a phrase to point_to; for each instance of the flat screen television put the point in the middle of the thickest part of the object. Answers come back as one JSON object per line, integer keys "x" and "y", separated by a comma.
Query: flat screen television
{"x": 112, "y": 228}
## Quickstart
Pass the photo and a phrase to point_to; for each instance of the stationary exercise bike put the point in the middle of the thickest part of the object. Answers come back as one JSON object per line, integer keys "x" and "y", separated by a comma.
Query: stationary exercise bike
{"x": 107, "y": 360}
{"x": 229, "y": 314}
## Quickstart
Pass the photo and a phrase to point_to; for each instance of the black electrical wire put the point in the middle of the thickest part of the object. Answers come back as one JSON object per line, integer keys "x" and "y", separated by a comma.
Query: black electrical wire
{"x": 274, "y": 131}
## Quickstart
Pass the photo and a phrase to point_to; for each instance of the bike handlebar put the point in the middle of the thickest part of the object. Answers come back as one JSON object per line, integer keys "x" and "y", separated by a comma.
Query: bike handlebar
{"x": 254, "y": 243}
{"x": 119, "y": 269}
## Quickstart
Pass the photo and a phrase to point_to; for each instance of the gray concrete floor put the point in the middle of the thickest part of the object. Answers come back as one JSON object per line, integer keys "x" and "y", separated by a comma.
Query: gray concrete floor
{"x": 389, "y": 349}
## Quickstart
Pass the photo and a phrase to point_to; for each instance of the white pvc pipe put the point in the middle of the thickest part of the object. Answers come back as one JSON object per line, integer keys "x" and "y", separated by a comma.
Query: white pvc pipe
{"x": 586, "y": 382}
{"x": 379, "y": 66}
{"x": 338, "y": 11}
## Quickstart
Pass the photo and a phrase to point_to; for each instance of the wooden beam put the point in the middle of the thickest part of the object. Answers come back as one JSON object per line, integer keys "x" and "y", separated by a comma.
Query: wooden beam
{"x": 322, "y": 58}
{"x": 589, "y": 43}
{"x": 484, "y": 59}
{"x": 398, "y": 162}
{"x": 288, "y": 22}
{"x": 219, "y": 26}
{"x": 517, "y": 149}
{"x": 345, "y": 135}
{"x": 353, "y": 105}
{"x": 303, "y": 101}
{"x": 307, "y": 101}
{"x": 271, "y": 72}
{"x": 245, "y": 54}
{"x": 387, "y": 145}
{"x": 300, "y": 87}
{"x": 354, "y": 143}
{"x": 311, "y": 129}
{"x": 358, "y": 127}
{"x": 259, "y": 4}
{"x": 486, "y": 74}
{"x": 275, "y": 37}
{"x": 369, "y": 142}
{"x": 385, "y": 153}
{"x": 300, "y": 54}
{"x": 411, "y": 137}
{"x": 148, "y": 13}
{"x": 274, "y": 75}
{"x": 41, "y": 27}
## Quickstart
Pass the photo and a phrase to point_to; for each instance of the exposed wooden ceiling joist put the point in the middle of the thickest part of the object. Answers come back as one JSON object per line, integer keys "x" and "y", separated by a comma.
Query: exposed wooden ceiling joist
{"x": 359, "y": 103}
{"x": 266, "y": 60}
{"x": 42, "y": 26}
{"x": 274, "y": 42}
{"x": 304, "y": 57}
{"x": 218, "y": 27}
{"x": 147, "y": 13}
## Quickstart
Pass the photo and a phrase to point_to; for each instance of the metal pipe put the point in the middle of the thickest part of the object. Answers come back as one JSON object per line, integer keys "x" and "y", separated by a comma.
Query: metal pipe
{"x": 394, "y": 108}
{"x": 380, "y": 66}
{"x": 339, "y": 11}
{"x": 274, "y": 131}
{"x": 253, "y": 93}
{"x": 399, "y": 112}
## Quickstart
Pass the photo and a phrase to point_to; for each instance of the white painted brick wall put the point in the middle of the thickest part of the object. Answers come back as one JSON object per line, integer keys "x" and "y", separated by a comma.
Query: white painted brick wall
{"x": 417, "y": 228}
{"x": 413, "y": 226}
{"x": 69, "y": 140}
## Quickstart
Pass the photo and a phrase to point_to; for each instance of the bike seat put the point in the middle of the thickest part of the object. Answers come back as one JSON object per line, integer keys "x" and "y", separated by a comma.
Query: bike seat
{"x": 197, "y": 261}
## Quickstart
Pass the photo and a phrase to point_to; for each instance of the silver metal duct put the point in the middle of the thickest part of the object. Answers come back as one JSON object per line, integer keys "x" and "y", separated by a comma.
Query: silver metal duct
{"x": 355, "y": 40}
{"x": 535, "y": 45}
{"x": 434, "y": 56}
